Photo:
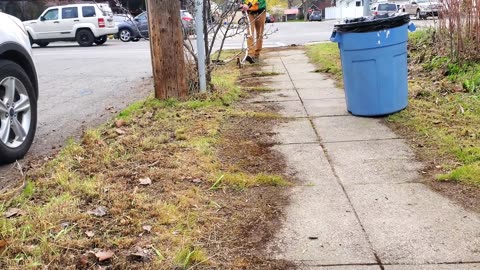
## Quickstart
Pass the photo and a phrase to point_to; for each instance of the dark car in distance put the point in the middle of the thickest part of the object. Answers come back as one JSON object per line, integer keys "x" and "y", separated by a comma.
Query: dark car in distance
{"x": 316, "y": 16}
{"x": 136, "y": 28}
{"x": 269, "y": 18}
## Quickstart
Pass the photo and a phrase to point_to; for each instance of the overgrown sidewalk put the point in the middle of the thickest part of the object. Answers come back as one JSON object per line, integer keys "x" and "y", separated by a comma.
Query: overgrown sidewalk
{"x": 166, "y": 184}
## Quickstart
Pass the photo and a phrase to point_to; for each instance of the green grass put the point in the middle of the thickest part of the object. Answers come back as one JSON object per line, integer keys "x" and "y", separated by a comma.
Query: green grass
{"x": 265, "y": 73}
{"x": 468, "y": 174}
{"x": 259, "y": 88}
{"x": 326, "y": 57}
{"x": 245, "y": 180}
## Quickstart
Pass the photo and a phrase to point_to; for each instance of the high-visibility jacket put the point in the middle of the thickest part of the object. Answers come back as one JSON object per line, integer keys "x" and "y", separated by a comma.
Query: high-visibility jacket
{"x": 256, "y": 4}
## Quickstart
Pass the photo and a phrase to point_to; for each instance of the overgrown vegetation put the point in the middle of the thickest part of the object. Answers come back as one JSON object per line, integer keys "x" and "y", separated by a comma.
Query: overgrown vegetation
{"x": 458, "y": 36}
{"x": 444, "y": 110}
{"x": 443, "y": 116}
{"x": 147, "y": 191}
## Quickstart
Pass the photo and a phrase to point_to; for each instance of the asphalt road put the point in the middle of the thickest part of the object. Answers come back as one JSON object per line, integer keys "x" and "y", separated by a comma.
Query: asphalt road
{"x": 83, "y": 87}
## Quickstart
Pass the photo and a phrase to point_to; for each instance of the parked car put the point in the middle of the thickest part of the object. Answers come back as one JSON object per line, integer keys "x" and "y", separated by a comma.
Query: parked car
{"x": 422, "y": 8}
{"x": 188, "y": 24}
{"x": 84, "y": 23}
{"x": 18, "y": 90}
{"x": 120, "y": 18}
{"x": 269, "y": 18}
{"x": 380, "y": 9}
{"x": 134, "y": 30}
{"x": 316, "y": 16}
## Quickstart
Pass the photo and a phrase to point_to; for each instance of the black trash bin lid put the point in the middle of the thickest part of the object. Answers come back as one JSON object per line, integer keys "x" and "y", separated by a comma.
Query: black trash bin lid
{"x": 371, "y": 24}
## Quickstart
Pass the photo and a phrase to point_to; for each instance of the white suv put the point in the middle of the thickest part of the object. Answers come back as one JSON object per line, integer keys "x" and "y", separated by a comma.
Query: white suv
{"x": 18, "y": 90}
{"x": 85, "y": 23}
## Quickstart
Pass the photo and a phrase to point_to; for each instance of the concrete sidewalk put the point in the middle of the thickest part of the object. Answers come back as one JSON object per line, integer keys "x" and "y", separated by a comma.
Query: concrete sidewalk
{"x": 359, "y": 204}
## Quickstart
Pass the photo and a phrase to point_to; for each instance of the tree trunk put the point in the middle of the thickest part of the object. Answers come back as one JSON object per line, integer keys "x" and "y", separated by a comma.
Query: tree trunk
{"x": 305, "y": 9}
{"x": 166, "y": 46}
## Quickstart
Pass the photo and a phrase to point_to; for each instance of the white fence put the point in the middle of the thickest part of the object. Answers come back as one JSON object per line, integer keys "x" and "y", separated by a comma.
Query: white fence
{"x": 333, "y": 13}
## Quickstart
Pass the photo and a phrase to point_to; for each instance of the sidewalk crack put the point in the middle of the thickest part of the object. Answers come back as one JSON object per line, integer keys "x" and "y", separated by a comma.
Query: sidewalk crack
{"x": 332, "y": 167}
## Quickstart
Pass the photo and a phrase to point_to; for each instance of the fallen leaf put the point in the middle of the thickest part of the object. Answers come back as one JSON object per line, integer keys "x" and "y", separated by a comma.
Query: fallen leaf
{"x": 120, "y": 123}
{"x": 139, "y": 254}
{"x": 90, "y": 234}
{"x": 99, "y": 211}
{"x": 12, "y": 212}
{"x": 83, "y": 261}
{"x": 120, "y": 131}
{"x": 147, "y": 228}
{"x": 104, "y": 255}
{"x": 145, "y": 181}
{"x": 148, "y": 115}
{"x": 197, "y": 181}
{"x": 3, "y": 244}
{"x": 87, "y": 259}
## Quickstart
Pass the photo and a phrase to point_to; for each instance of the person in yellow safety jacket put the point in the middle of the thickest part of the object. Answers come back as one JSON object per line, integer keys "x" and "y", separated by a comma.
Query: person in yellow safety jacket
{"x": 257, "y": 13}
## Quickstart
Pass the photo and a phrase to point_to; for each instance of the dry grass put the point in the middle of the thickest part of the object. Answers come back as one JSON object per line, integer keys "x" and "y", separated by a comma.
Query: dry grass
{"x": 186, "y": 217}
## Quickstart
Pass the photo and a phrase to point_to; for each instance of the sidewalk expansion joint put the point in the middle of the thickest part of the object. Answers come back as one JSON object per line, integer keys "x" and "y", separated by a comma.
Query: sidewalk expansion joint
{"x": 365, "y": 140}
{"x": 437, "y": 263}
{"x": 312, "y": 263}
{"x": 273, "y": 101}
{"x": 337, "y": 177}
{"x": 296, "y": 143}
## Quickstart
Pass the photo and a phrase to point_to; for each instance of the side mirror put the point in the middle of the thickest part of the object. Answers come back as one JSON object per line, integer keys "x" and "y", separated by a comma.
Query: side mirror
{"x": 136, "y": 19}
{"x": 42, "y": 18}
{"x": 414, "y": 3}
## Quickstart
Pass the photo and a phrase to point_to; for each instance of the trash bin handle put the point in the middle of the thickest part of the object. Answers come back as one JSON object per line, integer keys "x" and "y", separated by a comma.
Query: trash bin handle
{"x": 411, "y": 27}
{"x": 335, "y": 37}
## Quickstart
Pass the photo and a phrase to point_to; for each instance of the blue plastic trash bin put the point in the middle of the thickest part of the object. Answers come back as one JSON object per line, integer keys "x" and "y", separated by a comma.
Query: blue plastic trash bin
{"x": 374, "y": 64}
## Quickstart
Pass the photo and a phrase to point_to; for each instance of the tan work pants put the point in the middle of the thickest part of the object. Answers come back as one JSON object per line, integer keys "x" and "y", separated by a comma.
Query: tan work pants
{"x": 255, "y": 39}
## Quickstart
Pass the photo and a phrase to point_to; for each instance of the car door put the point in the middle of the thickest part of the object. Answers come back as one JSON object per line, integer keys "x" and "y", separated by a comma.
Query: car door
{"x": 47, "y": 26}
{"x": 142, "y": 22}
{"x": 411, "y": 7}
{"x": 68, "y": 21}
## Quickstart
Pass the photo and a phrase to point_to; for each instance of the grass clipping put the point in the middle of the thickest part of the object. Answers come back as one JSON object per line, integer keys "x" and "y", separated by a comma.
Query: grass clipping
{"x": 145, "y": 192}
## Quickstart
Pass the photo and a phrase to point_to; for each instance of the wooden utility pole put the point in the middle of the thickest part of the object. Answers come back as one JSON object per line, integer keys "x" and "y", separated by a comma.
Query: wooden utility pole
{"x": 166, "y": 46}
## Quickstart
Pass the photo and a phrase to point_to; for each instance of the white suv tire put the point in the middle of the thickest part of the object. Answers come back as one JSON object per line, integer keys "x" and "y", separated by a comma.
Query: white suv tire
{"x": 21, "y": 112}
{"x": 85, "y": 38}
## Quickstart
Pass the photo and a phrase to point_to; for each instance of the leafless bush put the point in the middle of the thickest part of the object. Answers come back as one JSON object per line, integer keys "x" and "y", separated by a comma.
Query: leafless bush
{"x": 459, "y": 29}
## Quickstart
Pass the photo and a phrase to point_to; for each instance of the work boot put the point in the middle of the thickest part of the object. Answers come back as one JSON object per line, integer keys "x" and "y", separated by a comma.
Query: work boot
{"x": 250, "y": 59}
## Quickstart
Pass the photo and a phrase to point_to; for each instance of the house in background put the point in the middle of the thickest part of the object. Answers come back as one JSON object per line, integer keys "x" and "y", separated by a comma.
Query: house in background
{"x": 344, "y": 9}
{"x": 315, "y": 5}
{"x": 290, "y": 14}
